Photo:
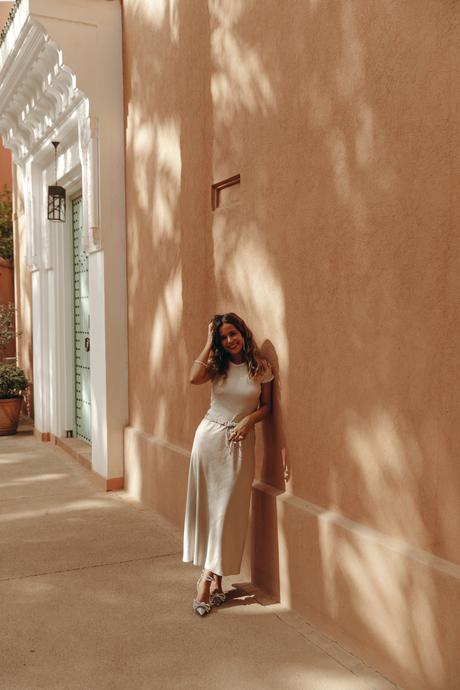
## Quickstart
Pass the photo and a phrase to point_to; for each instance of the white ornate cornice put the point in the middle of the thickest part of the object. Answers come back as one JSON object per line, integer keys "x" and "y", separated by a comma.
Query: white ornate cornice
{"x": 38, "y": 91}
{"x": 51, "y": 91}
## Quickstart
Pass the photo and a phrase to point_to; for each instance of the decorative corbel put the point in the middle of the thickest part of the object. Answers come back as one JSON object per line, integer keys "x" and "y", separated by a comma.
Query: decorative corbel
{"x": 33, "y": 243}
{"x": 89, "y": 150}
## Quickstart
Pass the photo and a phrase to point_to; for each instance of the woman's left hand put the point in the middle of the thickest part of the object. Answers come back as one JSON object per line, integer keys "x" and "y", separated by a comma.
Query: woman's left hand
{"x": 241, "y": 430}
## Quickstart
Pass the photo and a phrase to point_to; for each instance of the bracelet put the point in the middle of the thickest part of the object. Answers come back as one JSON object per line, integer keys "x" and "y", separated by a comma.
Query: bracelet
{"x": 198, "y": 361}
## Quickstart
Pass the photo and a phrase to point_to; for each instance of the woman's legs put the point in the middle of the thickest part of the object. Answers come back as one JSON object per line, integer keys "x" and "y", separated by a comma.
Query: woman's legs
{"x": 206, "y": 588}
{"x": 216, "y": 586}
{"x": 202, "y": 592}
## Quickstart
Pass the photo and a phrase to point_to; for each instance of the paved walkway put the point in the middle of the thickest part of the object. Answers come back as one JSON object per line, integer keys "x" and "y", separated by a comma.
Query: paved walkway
{"x": 94, "y": 595}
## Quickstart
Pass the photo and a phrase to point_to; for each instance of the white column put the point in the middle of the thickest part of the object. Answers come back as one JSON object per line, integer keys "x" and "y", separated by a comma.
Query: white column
{"x": 61, "y": 329}
{"x": 99, "y": 426}
{"x": 40, "y": 296}
{"x": 104, "y": 232}
{"x": 40, "y": 350}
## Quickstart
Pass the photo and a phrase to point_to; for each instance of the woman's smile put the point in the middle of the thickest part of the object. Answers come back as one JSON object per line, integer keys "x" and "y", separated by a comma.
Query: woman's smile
{"x": 231, "y": 339}
{"x": 233, "y": 346}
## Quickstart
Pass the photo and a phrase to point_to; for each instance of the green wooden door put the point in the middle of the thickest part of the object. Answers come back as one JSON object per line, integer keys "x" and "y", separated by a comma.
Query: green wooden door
{"x": 81, "y": 324}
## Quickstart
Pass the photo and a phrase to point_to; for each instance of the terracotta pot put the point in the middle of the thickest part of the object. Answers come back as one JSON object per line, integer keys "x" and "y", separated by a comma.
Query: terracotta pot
{"x": 10, "y": 409}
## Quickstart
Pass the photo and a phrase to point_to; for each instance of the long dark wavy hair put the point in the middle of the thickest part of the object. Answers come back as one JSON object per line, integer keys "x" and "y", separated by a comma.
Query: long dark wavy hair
{"x": 219, "y": 359}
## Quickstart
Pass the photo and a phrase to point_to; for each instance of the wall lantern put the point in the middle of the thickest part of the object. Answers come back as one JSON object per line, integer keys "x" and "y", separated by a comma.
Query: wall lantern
{"x": 56, "y": 195}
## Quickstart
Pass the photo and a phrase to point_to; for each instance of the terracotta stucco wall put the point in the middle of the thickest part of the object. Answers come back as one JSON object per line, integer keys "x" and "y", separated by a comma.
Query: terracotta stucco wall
{"x": 340, "y": 248}
{"x": 5, "y": 154}
{"x": 7, "y": 296}
{"x": 6, "y": 268}
{"x": 5, "y": 167}
{"x": 5, "y": 7}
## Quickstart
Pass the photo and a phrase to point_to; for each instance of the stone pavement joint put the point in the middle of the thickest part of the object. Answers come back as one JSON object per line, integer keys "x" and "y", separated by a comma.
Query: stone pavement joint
{"x": 86, "y": 567}
{"x": 334, "y": 649}
{"x": 94, "y": 596}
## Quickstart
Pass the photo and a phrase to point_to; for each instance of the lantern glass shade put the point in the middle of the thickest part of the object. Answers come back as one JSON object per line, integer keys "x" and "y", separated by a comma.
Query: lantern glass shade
{"x": 56, "y": 204}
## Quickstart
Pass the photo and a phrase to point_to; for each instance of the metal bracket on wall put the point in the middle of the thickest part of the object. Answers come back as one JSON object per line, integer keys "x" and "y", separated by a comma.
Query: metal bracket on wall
{"x": 217, "y": 187}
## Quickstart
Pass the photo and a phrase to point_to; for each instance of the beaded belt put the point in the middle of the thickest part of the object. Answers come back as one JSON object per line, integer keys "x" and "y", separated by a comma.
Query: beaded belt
{"x": 228, "y": 426}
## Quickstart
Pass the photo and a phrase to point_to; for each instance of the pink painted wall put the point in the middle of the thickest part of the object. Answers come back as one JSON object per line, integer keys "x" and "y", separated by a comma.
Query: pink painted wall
{"x": 341, "y": 249}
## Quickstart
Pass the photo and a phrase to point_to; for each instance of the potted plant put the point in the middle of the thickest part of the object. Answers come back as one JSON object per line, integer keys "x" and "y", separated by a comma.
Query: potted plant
{"x": 6, "y": 225}
{"x": 13, "y": 381}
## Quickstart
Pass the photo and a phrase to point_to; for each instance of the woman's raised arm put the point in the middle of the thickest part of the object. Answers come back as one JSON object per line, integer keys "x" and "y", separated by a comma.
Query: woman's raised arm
{"x": 199, "y": 372}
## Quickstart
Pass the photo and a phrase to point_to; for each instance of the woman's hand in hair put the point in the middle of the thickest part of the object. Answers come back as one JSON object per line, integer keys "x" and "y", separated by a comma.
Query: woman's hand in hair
{"x": 199, "y": 372}
{"x": 210, "y": 333}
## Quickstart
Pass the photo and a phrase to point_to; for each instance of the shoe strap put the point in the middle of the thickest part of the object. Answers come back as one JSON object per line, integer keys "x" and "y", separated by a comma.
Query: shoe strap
{"x": 208, "y": 578}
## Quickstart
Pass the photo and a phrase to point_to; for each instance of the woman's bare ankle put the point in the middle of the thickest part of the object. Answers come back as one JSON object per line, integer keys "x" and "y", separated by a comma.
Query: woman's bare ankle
{"x": 216, "y": 586}
{"x": 203, "y": 588}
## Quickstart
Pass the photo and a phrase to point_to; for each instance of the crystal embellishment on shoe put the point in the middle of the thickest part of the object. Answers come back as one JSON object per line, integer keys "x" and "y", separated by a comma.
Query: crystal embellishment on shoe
{"x": 201, "y": 607}
{"x": 217, "y": 598}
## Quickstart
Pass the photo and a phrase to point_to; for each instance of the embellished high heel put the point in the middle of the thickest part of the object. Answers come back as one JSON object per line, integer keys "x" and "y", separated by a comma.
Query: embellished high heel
{"x": 217, "y": 598}
{"x": 202, "y": 607}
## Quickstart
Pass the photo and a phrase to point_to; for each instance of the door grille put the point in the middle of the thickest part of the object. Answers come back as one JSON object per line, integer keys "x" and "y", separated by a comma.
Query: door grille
{"x": 81, "y": 328}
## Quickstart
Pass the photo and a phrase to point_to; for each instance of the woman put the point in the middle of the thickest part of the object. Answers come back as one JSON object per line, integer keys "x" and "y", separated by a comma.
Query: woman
{"x": 222, "y": 460}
